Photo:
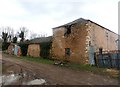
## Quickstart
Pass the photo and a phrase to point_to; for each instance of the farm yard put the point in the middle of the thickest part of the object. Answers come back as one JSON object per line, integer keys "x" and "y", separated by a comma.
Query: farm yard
{"x": 44, "y": 42}
{"x": 76, "y": 54}
{"x": 50, "y": 74}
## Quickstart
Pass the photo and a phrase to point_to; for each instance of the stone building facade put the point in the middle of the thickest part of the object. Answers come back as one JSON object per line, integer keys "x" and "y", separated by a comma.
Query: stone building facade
{"x": 39, "y": 47}
{"x": 78, "y": 40}
{"x": 33, "y": 50}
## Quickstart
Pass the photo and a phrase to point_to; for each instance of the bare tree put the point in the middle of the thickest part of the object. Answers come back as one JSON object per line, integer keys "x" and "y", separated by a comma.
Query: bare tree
{"x": 7, "y": 33}
{"x": 23, "y": 33}
{"x": 5, "y": 36}
{"x": 10, "y": 34}
{"x": 15, "y": 39}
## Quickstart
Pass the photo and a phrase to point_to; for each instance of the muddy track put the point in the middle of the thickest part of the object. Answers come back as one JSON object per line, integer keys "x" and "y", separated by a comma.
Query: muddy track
{"x": 59, "y": 75}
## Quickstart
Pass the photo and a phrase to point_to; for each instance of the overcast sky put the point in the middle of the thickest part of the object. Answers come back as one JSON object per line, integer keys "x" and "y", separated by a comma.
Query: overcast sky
{"x": 40, "y": 16}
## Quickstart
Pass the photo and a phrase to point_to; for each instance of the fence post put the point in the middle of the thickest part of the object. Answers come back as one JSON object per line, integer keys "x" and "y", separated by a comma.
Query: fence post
{"x": 110, "y": 60}
{"x": 117, "y": 61}
{"x": 101, "y": 53}
{"x": 95, "y": 59}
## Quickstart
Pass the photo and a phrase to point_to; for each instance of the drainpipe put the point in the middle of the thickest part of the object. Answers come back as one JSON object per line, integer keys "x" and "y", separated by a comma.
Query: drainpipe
{"x": 118, "y": 60}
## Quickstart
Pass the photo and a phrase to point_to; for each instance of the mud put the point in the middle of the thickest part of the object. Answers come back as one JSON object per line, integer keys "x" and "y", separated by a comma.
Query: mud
{"x": 14, "y": 74}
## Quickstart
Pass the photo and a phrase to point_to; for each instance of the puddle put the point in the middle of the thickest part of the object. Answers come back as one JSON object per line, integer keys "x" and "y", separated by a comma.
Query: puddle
{"x": 15, "y": 79}
{"x": 16, "y": 75}
{"x": 37, "y": 82}
{"x": 8, "y": 79}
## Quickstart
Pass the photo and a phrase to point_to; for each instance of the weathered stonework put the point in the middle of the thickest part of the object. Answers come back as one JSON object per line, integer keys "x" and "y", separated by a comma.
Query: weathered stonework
{"x": 74, "y": 41}
{"x": 83, "y": 35}
{"x": 101, "y": 37}
{"x": 34, "y": 50}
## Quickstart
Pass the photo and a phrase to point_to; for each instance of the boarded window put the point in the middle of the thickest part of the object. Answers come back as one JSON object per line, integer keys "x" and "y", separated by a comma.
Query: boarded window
{"x": 67, "y": 51}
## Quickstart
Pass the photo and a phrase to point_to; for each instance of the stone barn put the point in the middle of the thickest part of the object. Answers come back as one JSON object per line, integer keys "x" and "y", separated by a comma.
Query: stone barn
{"x": 39, "y": 47}
{"x": 78, "y": 40}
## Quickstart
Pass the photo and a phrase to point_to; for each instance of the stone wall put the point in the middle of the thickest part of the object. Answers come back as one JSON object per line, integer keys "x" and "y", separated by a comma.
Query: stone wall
{"x": 82, "y": 36}
{"x": 101, "y": 37}
{"x": 76, "y": 41}
{"x": 34, "y": 50}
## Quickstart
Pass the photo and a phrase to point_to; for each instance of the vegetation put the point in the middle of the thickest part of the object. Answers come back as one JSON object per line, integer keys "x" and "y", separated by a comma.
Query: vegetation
{"x": 45, "y": 49}
{"x": 24, "y": 48}
{"x": 23, "y": 33}
{"x": 114, "y": 73}
{"x": 5, "y": 45}
{"x": 38, "y": 59}
{"x": 15, "y": 39}
{"x": 7, "y": 36}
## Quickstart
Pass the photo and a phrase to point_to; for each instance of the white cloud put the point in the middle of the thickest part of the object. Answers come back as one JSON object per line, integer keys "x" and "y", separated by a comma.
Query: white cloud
{"x": 103, "y": 12}
{"x": 40, "y": 16}
{"x": 11, "y": 8}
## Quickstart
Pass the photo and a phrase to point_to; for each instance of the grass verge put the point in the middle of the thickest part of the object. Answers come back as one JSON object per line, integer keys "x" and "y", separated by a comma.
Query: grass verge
{"x": 37, "y": 59}
{"x": 114, "y": 73}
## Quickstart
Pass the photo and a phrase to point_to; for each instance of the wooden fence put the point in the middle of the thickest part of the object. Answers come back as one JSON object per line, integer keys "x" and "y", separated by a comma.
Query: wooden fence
{"x": 108, "y": 59}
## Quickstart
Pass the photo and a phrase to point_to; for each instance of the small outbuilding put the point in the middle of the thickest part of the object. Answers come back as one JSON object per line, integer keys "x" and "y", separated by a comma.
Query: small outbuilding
{"x": 40, "y": 47}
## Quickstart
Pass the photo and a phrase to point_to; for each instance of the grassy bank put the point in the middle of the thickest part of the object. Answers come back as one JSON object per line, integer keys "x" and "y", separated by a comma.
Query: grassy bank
{"x": 38, "y": 59}
{"x": 114, "y": 73}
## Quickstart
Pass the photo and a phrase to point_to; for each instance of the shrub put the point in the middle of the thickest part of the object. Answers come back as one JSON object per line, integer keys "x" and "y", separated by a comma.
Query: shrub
{"x": 5, "y": 45}
{"x": 24, "y": 48}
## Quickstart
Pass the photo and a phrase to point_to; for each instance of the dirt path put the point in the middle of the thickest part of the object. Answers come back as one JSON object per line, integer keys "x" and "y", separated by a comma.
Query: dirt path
{"x": 58, "y": 75}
